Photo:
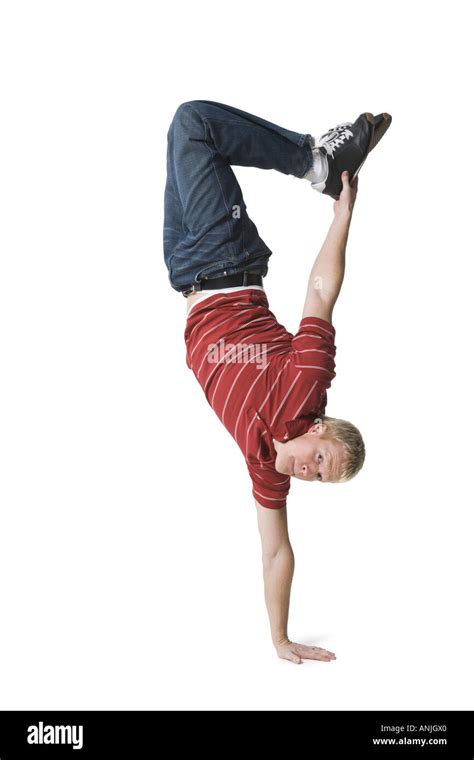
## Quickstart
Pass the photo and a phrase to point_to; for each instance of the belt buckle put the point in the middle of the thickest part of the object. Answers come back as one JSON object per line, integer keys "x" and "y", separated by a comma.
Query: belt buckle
{"x": 190, "y": 291}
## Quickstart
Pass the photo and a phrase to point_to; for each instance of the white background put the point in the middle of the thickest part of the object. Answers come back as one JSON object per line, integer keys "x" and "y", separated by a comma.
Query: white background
{"x": 129, "y": 554}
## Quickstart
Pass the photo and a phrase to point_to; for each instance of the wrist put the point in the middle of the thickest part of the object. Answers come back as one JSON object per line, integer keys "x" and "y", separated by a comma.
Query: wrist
{"x": 280, "y": 639}
{"x": 343, "y": 215}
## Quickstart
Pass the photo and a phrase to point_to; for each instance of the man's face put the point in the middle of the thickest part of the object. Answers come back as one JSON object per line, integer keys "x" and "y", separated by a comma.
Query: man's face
{"x": 311, "y": 457}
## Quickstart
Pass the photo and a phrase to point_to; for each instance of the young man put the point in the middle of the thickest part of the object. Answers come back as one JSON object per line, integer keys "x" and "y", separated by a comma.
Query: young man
{"x": 267, "y": 386}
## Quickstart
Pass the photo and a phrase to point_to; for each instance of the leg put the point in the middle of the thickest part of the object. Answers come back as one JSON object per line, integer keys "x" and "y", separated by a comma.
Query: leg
{"x": 207, "y": 230}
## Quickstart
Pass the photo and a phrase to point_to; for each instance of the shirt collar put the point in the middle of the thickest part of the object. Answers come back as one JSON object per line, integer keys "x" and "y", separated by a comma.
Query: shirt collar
{"x": 299, "y": 426}
{"x": 289, "y": 429}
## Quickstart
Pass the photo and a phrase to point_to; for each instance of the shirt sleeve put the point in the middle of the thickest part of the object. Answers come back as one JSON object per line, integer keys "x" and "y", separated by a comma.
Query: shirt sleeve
{"x": 269, "y": 487}
{"x": 313, "y": 351}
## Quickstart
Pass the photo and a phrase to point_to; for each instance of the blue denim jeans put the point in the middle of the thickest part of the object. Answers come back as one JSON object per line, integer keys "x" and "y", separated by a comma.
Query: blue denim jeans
{"x": 207, "y": 231}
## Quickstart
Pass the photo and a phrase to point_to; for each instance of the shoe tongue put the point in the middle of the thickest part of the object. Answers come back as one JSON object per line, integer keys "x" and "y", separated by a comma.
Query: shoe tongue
{"x": 332, "y": 134}
{"x": 334, "y": 131}
{"x": 342, "y": 127}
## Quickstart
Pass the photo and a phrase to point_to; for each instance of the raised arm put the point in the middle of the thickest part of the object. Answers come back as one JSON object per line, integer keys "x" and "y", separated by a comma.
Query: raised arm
{"x": 327, "y": 274}
{"x": 278, "y": 566}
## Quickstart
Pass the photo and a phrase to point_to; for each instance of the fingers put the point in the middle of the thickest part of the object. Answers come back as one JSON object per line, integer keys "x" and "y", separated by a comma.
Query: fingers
{"x": 348, "y": 185}
{"x": 315, "y": 653}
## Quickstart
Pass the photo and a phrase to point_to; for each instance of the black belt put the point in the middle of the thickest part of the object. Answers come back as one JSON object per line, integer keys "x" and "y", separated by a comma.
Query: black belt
{"x": 220, "y": 283}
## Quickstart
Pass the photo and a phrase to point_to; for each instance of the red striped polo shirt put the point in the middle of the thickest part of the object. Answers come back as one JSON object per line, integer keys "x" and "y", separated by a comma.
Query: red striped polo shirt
{"x": 262, "y": 382}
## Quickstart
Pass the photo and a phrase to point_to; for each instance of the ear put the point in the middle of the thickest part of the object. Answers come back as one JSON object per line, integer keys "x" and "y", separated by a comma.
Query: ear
{"x": 319, "y": 428}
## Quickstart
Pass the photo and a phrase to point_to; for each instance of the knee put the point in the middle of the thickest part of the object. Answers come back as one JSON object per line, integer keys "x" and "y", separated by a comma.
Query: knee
{"x": 182, "y": 121}
{"x": 183, "y": 108}
{"x": 185, "y": 113}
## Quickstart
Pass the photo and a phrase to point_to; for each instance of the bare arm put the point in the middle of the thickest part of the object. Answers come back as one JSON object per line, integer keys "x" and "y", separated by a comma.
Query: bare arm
{"x": 327, "y": 274}
{"x": 278, "y": 566}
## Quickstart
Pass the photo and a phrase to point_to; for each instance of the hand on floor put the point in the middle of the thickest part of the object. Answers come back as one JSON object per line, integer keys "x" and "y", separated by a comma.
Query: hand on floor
{"x": 290, "y": 650}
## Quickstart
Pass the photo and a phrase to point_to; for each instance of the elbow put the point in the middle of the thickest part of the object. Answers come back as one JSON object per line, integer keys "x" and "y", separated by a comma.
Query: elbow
{"x": 276, "y": 553}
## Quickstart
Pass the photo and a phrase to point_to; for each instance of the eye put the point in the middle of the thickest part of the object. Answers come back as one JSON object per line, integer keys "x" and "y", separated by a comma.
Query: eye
{"x": 320, "y": 458}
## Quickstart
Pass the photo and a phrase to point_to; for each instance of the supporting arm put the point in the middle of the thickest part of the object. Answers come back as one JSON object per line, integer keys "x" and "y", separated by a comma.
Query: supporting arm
{"x": 327, "y": 275}
{"x": 278, "y": 566}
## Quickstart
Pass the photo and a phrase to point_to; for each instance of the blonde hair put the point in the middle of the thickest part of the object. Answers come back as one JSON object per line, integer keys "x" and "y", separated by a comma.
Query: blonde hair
{"x": 347, "y": 434}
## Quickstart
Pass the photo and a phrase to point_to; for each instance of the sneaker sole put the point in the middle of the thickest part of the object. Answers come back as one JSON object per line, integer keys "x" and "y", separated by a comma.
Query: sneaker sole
{"x": 380, "y": 130}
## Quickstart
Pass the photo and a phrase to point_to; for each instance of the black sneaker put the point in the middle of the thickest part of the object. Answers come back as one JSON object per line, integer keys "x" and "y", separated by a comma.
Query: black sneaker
{"x": 346, "y": 147}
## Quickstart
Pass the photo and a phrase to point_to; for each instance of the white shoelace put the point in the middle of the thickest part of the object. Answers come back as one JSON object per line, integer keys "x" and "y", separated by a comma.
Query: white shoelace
{"x": 334, "y": 137}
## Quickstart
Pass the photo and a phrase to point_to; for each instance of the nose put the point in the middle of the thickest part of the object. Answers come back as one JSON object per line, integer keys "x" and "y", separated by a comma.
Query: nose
{"x": 307, "y": 470}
